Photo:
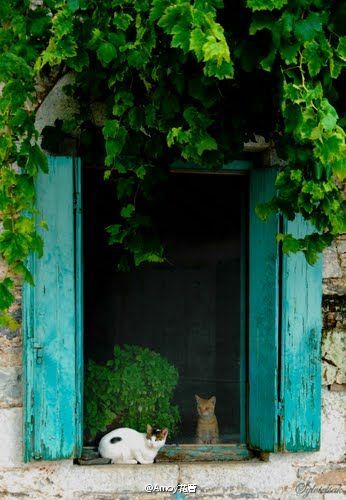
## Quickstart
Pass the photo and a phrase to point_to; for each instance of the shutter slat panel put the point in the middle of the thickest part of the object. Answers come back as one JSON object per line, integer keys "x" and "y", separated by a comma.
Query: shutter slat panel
{"x": 301, "y": 347}
{"x": 50, "y": 324}
{"x": 263, "y": 316}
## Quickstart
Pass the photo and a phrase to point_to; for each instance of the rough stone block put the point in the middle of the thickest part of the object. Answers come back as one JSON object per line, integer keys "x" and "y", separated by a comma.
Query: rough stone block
{"x": 334, "y": 286}
{"x": 57, "y": 104}
{"x": 331, "y": 264}
{"x": 10, "y": 386}
{"x": 10, "y": 349}
{"x": 341, "y": 246}
{"x": 328, "y": 477}
{"x": 334, "y": 355}
{"x": 343, "y": 261}
{"x": 334, "y": 313}
{"x": 338, "y": 387}
{"x": 328, "y": 373}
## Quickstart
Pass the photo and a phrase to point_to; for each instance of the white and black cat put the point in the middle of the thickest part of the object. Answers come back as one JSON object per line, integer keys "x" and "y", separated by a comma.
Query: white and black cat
{"x": 127, "y": 446}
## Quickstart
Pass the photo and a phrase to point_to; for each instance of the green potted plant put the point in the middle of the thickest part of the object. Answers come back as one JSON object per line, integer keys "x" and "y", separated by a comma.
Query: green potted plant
{"x": 131, "y": 390}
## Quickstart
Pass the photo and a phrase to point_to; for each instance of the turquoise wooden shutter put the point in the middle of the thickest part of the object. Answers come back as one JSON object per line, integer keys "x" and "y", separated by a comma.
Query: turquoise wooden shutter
{"x": 52, "y": 321}
{"x": 284, "y": 333}
{"x": 263, "y": 317}
{"x": 301, "y": 347}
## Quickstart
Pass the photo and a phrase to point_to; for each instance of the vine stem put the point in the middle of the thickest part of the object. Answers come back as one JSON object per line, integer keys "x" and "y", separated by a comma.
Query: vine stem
{"x": 302, "y": 73}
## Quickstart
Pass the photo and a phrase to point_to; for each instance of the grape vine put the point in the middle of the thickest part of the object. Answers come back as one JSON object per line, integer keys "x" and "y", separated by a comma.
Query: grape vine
{"x": 182, "y": 79}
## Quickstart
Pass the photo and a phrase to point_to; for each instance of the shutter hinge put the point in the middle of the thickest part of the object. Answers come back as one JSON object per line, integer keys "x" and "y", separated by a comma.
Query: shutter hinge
{"x": 280, "y": 409}
{"x": 38, "y": 353}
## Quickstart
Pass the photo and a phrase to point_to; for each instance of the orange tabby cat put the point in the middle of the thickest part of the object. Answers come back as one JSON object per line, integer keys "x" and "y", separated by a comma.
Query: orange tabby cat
{"x": 207, "y": 426}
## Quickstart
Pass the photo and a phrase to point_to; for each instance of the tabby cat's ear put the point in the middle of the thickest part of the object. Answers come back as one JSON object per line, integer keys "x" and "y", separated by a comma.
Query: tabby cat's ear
{"x": 197, "y": 398}
{"x": 213, "y": 400}
{"x": 149, "y": 430}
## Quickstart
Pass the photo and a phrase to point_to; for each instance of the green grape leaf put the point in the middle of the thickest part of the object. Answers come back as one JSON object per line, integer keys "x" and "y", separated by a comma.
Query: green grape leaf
{"x": 306, "y": 29}
{"x": 127, "y": 211}
{"x": 106, "y": 52}
{"x": 122, "y": 20}
{"x": 341, "y": 49}
{"x": 206, "y": 143}
{"x": 266, "y": 4}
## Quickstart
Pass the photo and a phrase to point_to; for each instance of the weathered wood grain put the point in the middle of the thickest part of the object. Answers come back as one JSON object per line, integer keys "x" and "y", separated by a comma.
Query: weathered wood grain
{"x": 203, "y": 453}
{"x": 50, "y": 379}
{"x": 181, "y": 453}
{"x": 301, "y": 347}
{"x": 263, "y": 316}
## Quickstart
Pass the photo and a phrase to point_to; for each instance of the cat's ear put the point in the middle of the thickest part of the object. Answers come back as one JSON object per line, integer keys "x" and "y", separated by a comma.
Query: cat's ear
{"x": 197, "y": 398}
{"x": 149, "y": 430}
{"x": 165, "y": 432}
{"x": 213, "y": 400}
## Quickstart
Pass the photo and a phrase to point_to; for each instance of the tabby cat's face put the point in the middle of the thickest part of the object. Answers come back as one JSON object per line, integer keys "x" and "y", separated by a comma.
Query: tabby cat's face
{"x": 205, "y": 407}
{"x": 156, "y": 438}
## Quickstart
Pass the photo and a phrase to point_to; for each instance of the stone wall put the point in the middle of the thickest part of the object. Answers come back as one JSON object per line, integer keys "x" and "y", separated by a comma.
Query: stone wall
{"x": 334, "y": 315}
{"x": 11, "y": 356}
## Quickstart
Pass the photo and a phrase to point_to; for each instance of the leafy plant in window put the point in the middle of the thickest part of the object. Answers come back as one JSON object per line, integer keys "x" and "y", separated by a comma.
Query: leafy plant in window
{"x": 182, "y": 79}
{"x": 133, "y": 389}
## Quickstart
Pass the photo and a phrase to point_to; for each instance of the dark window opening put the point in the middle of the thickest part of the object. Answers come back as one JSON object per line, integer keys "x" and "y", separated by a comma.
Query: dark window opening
{"x": 189, "y": 309}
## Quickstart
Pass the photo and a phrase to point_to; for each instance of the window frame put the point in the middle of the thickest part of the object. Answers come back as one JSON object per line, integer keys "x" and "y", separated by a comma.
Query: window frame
{"x": 190, "y": 452}
{"x": 298, "y": 432}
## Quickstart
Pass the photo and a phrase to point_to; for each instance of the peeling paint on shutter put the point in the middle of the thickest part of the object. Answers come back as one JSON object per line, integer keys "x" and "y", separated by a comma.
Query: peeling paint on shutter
{"x": 52, "y": 340}
{"x": 263, "y": 316}
{"x": 285, "y": 295}
{"x": 301, "y": 347}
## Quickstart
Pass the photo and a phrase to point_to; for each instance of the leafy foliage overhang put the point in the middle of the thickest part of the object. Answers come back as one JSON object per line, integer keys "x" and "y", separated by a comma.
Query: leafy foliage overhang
{"x": 181, "y": 79}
